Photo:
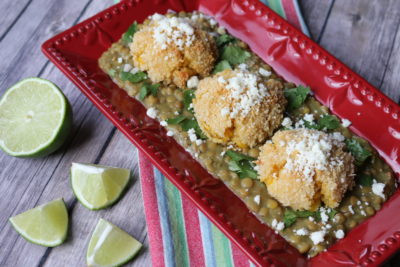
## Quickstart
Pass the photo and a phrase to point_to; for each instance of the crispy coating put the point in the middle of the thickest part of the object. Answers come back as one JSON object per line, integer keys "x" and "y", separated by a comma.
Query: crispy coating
{"x": 172, "y": 64}
{"x": 212, "y": 99}
{"x": 290, "y": 186}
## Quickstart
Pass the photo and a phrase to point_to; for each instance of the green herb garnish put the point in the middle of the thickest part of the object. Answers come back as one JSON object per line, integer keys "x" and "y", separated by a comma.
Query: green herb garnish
{"x": 128, "y": 35}
{"x": 241, "y": 164}
{"x": 364, "y": 179}
{"x": 328, "y": 122}
{"x": 332, "y": 213}
{"x": 225, "y": 39}
{"x": 112, "y": 72}
{"x": 133, "y": 78}
{"x": 296, "y": 96}
{"x": 187, "y": 124}
{"x": 222, "y": 65}
{"x": 291, "y": 216}
{"x": 188, "y": 96}
{"x": 234, "y": 54}
{"x": 359, "y": 153}
{"x": 147, "y": 89}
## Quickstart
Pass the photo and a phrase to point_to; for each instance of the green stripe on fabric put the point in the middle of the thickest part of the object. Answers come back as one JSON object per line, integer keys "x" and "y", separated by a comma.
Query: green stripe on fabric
{"x": 222, "y": 248}
{"x": 276, "y": 5}
{"x": 177, "y": 224}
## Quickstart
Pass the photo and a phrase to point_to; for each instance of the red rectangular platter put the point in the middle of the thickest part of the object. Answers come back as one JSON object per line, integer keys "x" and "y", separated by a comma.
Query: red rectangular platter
{"x": 297, "y": 59}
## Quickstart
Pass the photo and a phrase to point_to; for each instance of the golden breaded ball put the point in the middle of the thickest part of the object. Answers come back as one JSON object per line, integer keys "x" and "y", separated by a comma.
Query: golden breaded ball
{"x": 239, "y": 107}
{"x": 172, "y": 50}
{"x": 303, "y": 167}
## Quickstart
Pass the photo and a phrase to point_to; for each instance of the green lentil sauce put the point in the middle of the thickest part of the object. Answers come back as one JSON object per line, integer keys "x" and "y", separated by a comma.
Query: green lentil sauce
{"x": 357, "y": 205}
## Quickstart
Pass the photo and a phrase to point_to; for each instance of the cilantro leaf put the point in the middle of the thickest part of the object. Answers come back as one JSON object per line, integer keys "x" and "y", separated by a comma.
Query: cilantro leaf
{"x": 236, "y": 156}
{"x": 225, "y": 39}
{"x": 332, "y": 213}
{"x": 235, "y": 54}
{"x": 188, "y": 96}
{"x": 291, "y": 216}
{"x": 133, "y": 78}
{"x": 364, "y": 179}
{"x": 127, "y": 36}
{"x": 328, "y": 122}
{"x": 296, "y": 96}
{"x": 359, "y": 153}
{"x": 187, "y": 124}
{"x": 222, "y": 65}
{"x": 193, "y": 124}
{"x": 241, "y": 164}
{"x": 112, "y": 72}
{"x": 147, "y": 89}
{"x": 176, "y": 120}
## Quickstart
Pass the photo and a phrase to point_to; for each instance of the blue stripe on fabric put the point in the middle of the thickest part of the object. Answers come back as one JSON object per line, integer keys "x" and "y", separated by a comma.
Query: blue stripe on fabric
{"x": 265, "y": 2}
{"x": 162, "y": 204}
{"x": 304, "y": 27}
{"x": 207, "y": 239}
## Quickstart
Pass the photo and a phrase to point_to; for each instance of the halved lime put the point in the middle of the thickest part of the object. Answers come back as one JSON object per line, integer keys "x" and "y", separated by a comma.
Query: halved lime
{"x": 98, "y": 186}
{"x": 35, "y": 118}
{"x": 45, "y": 225}
{"x": 110, "y": 246}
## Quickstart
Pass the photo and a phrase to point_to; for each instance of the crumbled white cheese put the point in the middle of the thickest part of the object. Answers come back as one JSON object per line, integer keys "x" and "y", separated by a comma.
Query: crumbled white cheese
{"x": 174, "y": 30}
{"x": 339, "y": 234}
{"x": 192, "y": 135}
{"x": 222, "y": 153}
{"x": 170, "y": 133}
{"x": 134, "y": 70}
{"x": 324, "y": 216}
{"x": 346, "y": 123}
{"x": 264, "y": 72}
{"x": 351, "y": 209}
{"x": 221, "y": 80}
{"x": 378, "y": 188}
{"x": 212, "y": 22}
{"x": 245, "y": 90}
{"x": 119, "y": 60}
{"x": 176, "y": 112}
{"x": 277, "y": 225}
{"x": 225, "y": 111}
{"x": 257, "y": 199}
{"x": 242, "y": 66}
{"x": 152, "y": 113}
{"x": 311, "y": 219}
{"x": 309, "y": 118}
{"x": 126, "y": 67}
{"x": 287, "y": 122}
{"x": 317, "y": 237}
{"x": 199, "y": 142}
{"x": 193, "y": 82}
{"x": 301, "y": 231}
{"x": 312, "y": 153}
{"x": 363, "y": 213}
{"x": 163, "y": 123}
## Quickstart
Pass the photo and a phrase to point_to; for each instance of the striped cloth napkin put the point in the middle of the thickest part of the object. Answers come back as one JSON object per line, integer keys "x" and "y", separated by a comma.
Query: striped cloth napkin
{"x": 179, "y": 234}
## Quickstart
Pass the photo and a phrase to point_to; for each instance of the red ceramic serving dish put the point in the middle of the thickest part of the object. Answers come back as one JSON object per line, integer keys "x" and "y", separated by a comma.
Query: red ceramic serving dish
{"x": 296, "y": 58}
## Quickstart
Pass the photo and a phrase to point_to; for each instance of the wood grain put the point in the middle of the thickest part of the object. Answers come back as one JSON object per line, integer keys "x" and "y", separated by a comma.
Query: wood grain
{"x": 364, "y": 34}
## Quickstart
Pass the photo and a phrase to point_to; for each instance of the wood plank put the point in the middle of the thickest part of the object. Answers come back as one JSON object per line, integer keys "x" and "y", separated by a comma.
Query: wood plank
{"x": 24, "y": 180}
{"x": 361, "y": 33}
{"x": 11, "y": 12}
{"x": 390, "y": 83}
{"x": 41, "y": 20}
{"x": 315, "y": 14}
{"x": 128, "y": 213}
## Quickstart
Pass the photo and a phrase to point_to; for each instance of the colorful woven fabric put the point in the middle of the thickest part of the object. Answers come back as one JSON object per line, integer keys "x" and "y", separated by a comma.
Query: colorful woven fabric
{"x": 179, "y": 234}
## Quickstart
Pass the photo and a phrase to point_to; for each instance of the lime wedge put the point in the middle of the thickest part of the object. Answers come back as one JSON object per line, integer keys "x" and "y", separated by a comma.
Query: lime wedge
{"x": 98, "y": 186}
{"x": 45, "y": 225}
{"x": 35, "y": 118}
{"x": 110, "y": 246}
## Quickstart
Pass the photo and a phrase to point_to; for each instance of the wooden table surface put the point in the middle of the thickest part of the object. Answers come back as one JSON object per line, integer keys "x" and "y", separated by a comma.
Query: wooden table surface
{"x": 363, "y": 34}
